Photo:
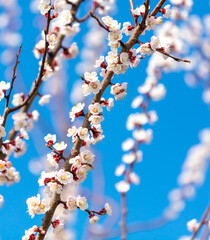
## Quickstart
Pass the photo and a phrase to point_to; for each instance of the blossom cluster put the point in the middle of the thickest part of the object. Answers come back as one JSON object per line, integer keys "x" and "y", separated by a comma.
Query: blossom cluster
{"x": 8, "y": 174}
{"x": 95, "y": 119}
{"x": 63, "y": 24}
{"x": 81, "y": 164}
{"x": 18, "y": 145}
{"x": 22, "y": 124}
{"x": 192, "y": 175}
{"x": 3, "y": 88}
{"x": 37, "y": 206}
{"x": 118, "y": 63}
{"x": 173, "y": 38}
{"x": 73, "y": 203}
{"x": 58, "y": 225}
{"x": 30, "y": 233}
{"x": 151, "y": 89}
{"x": 197, "y": 33}
{"x": 55, "y": 180}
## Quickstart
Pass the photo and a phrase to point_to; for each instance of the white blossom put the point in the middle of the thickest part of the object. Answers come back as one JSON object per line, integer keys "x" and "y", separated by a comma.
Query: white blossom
{"x": 44, "y": 6}
{"x": 44, "y": 99}
{"x": 93, "y": 219}
{"x": 83, "y": 133}
{"x": 95, "y": 108}
{"x": 122, "y": 187}
{"x": 17, "y": 99}
{"x": 50, "y": 139}
{"x": 166, "y": 11}
{"x": 108, "y": 209}
{"x": 192, "y": 225}
{"x": 120, "y": 170}
{"x": 60, "y": 146}
{"x": 158, "y": 92}
{"x": 37, "y": 206}
{"x": 64, "y": 177}
{"x": 3, "y": 88}
{"x": 137, "y": 102}
{"x": 76, "y": 111}
{"x": 142, "y": 135}
{"x": 155, "y": 43}
{"x": 71, "y": 203}
{"x": 138, "y": 11}
{"x": 127, "y": 28}
{"x": 113, "y": 25}
{"x": 82, "y": 203}
{"x": 65, "y": 17}
{"x": 87, "y": 157}
{"x": 134, "y": 178}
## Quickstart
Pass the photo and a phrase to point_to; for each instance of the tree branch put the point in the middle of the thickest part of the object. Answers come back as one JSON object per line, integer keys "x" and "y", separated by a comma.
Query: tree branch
{"x": 38, "y": 82}
{"x": 143, "y": 20}
{"x": 86, "y": 124}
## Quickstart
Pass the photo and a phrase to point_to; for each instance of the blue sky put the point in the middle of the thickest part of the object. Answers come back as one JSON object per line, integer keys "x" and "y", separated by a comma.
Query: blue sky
{"x": 182, "y": 114}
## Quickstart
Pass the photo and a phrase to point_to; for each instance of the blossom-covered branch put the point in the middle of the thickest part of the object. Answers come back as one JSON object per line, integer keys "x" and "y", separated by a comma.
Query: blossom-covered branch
{"x": 50, "y": 60}
{"x": 86, "y": 124}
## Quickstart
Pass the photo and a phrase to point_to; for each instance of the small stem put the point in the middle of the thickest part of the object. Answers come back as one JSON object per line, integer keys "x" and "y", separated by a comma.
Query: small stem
{"x": 56, "y": 152}
{"x": 124, "y": 215}
{"x": 143, "y": 20}
{"x": 80, "y": 20}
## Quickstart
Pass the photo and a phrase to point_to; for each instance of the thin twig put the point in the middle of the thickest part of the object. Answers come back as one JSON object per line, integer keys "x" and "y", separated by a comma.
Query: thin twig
{"x": 132, "y": 8}
{"x": 156, "y": 10}
{"x": 13, "y": 76}
{"x": 202, "y": 222}
{"x": 60, "y": 155}
{"x": 80, "y": 20}
{"x": 175, "y": 58}
{"x": 38, "y": 81}
{"x": 160, "y": 50}
{"x": 99, "y": 22}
